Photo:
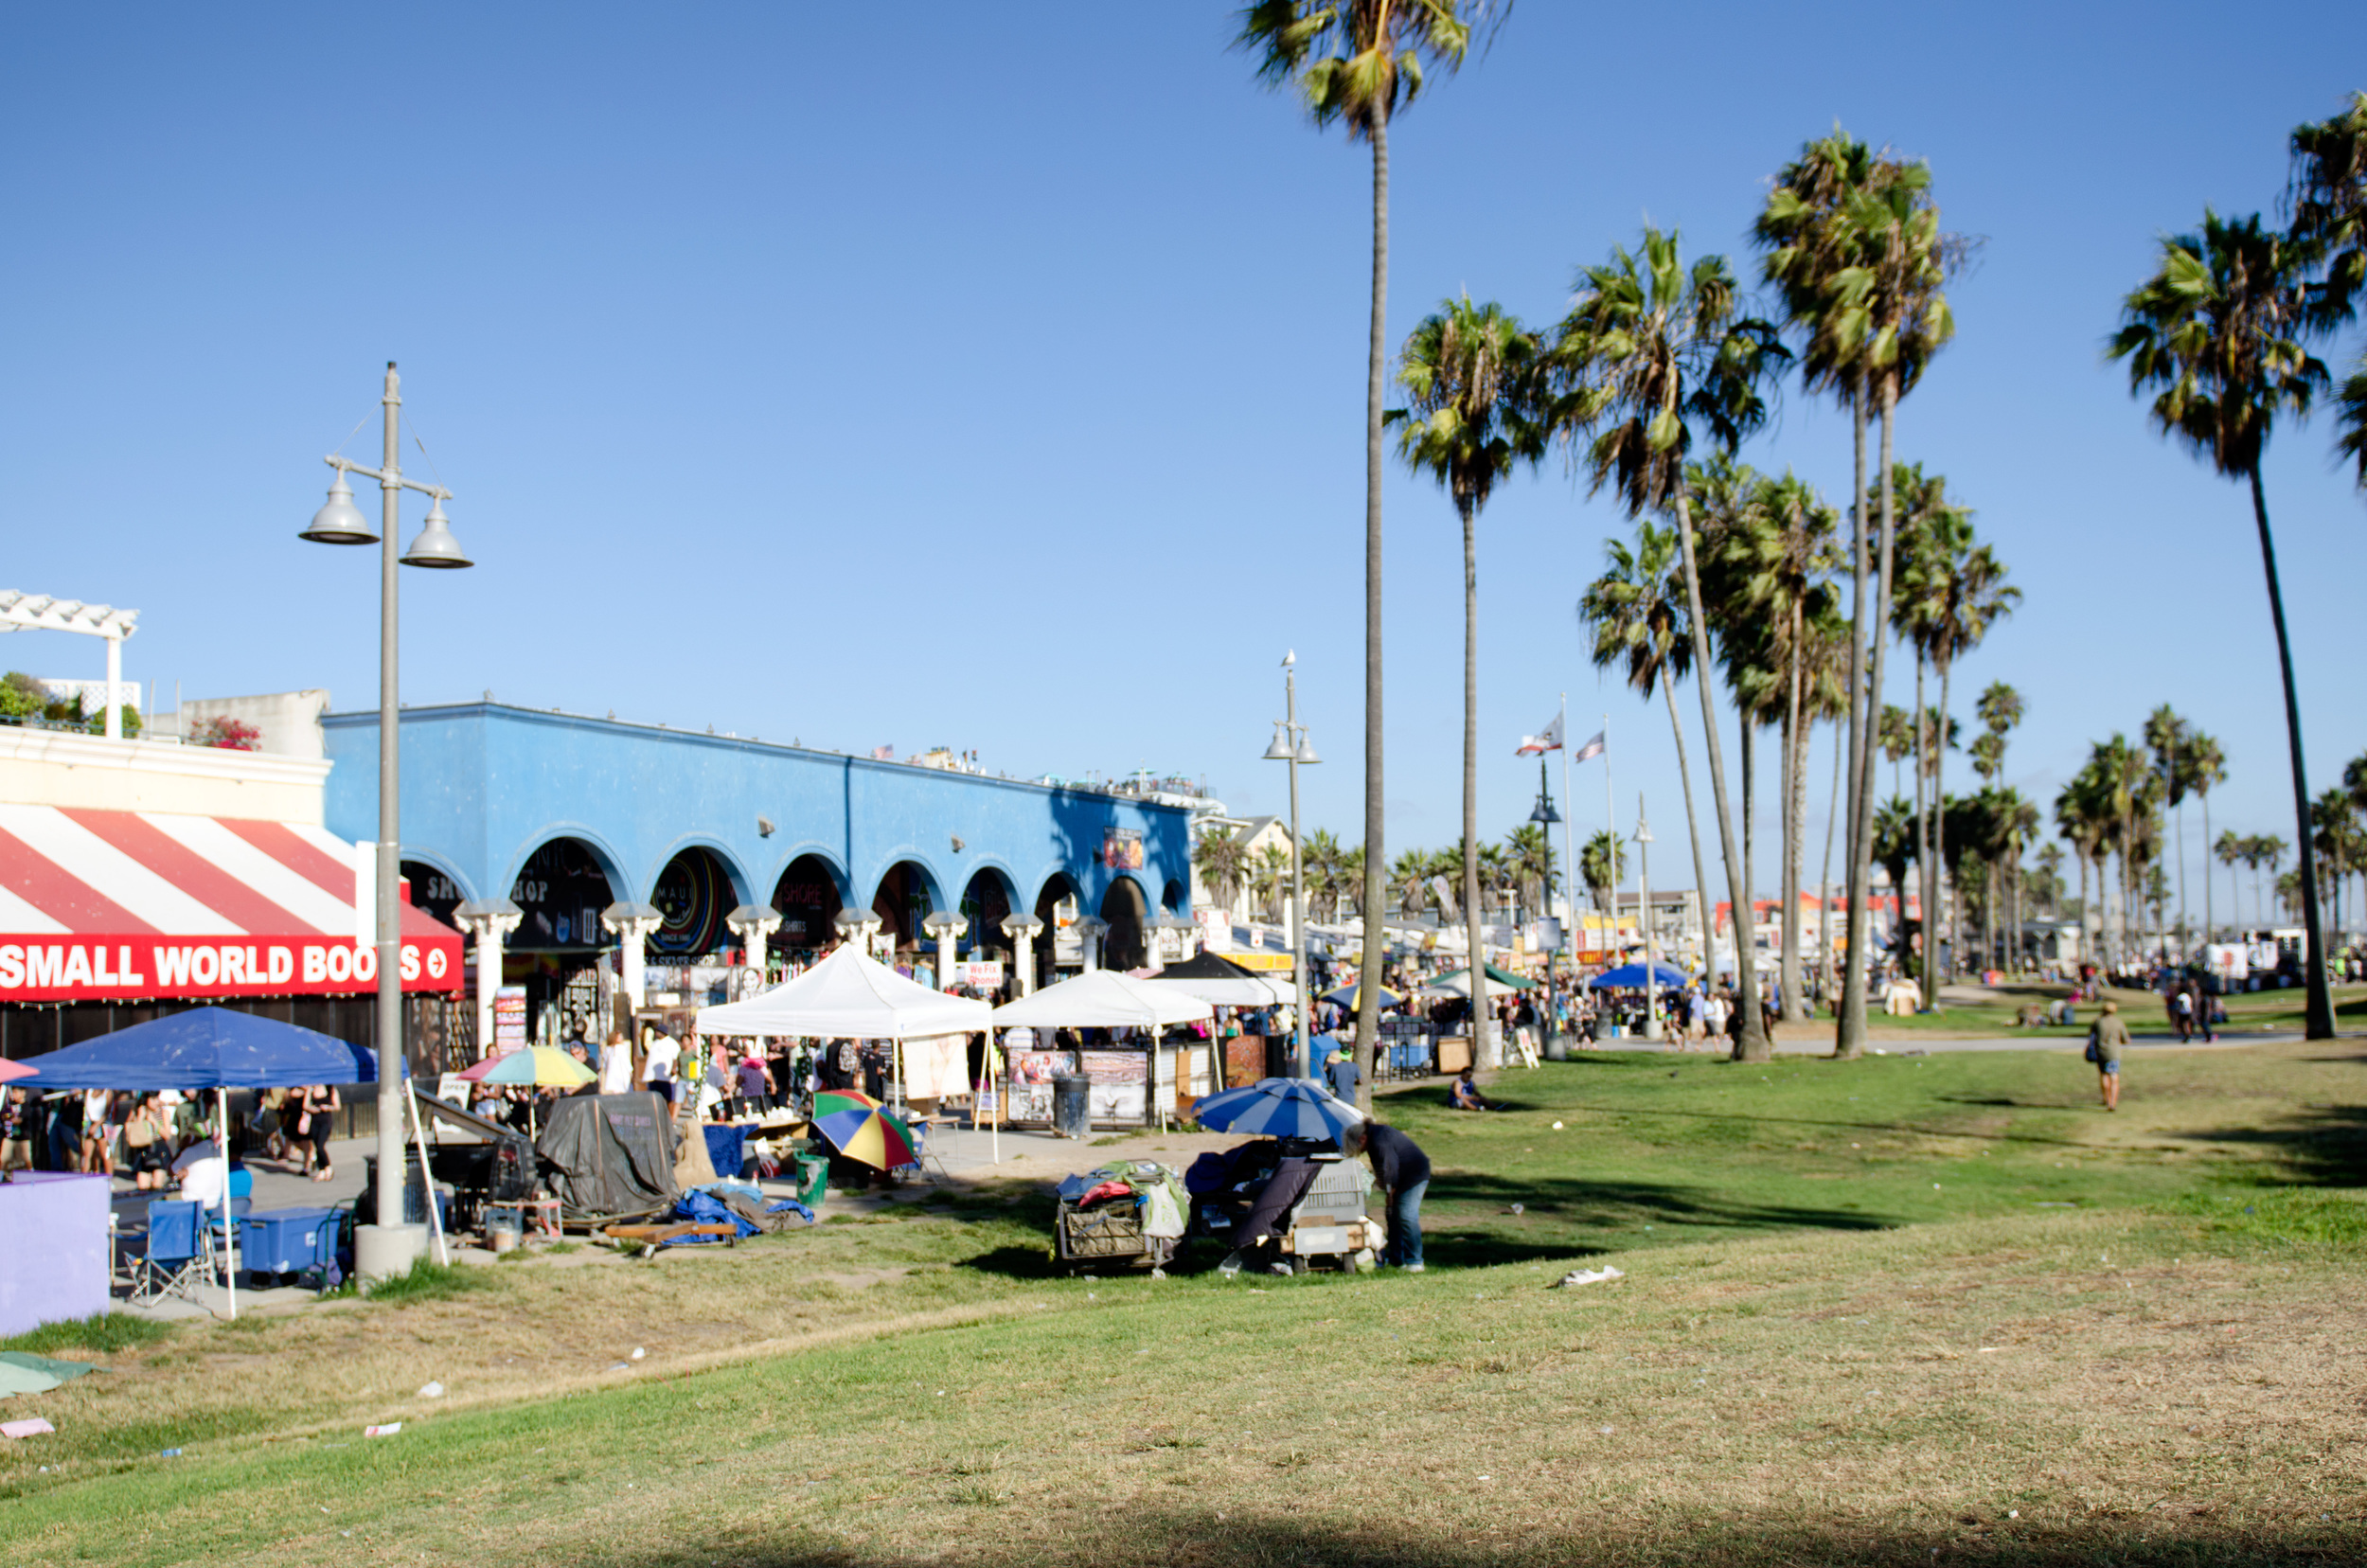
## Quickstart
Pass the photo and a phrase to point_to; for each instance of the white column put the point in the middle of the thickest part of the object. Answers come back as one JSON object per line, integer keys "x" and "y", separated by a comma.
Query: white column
{"x": 115, "y": 679}
{"x": 1023, "y": 930}
{"x": 1090, "y": 930}
{"x": 488, "y": 922}
{"x": 753, "y": 924}
{"x": 631, "y": 924}
{"x": 947, "y": 926}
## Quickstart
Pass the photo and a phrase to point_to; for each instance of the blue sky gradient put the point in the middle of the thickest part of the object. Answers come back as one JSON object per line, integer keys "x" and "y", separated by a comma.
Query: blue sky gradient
{"x": 923, "y": 376}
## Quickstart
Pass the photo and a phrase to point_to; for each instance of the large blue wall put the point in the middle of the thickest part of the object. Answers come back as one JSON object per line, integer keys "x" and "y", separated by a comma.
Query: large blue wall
{"x": 484, "y": 785}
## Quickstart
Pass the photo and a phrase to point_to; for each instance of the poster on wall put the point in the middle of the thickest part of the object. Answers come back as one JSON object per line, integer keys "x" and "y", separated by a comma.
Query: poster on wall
{"x": 1031, "y": 1075}
{"x": 1122, "y": 848}
{"x": 509, "y": 1018}
{"x": 1121, "y": 1084}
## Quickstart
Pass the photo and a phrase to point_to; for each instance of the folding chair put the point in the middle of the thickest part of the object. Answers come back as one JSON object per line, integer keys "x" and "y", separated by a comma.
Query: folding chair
{"x": 218, "y": 1220}
{"x": 175, "y": 1261}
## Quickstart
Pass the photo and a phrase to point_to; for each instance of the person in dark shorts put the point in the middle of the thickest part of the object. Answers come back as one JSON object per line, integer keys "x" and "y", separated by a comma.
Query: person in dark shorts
{"x": 2107, "y": 1039}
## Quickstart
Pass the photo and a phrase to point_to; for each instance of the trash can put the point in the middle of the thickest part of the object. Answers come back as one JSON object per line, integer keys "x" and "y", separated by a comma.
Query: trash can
{"x": 414, "y": 1194}
{"x": 812, "y": 1176}
{"x": 1071, "y": 1109}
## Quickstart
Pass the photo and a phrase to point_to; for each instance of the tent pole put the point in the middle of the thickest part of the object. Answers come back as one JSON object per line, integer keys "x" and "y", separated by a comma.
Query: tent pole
{"x": 427, "y": 1176}
{"x": 229, "y": 1221}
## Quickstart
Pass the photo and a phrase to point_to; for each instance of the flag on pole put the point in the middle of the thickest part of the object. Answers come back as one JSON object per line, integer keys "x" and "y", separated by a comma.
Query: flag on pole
{"x": 1593, "y": 748}
{"x": 1537, "y": 745}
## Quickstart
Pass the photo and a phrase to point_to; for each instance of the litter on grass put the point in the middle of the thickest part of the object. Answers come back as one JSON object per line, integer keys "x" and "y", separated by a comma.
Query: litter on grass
{"x": 1588, "y": 1277}
{"x": 388, "y": 1430}
{"x": 32, "y": 1427}
{"x": 433, "y": 1391}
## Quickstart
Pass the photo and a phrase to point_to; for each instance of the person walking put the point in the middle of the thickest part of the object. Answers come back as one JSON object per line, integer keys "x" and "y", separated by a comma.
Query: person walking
{"x": 1403, "y": 1172}
{"x": 2107, "y": 1038}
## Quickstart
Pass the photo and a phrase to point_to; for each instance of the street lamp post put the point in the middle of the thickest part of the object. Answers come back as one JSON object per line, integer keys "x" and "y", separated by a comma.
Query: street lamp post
{"x": 1643, "y": 916}
{"x": 1290, "y": 745}
{"x": 1545, "y": 816}
{"x": 390, "y": 1246}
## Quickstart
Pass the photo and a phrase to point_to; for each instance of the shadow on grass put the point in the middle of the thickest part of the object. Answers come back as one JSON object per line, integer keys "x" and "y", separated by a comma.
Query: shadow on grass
{"x": 2317, "y": 1146}
{"x": 1565, "y": 1203}
{"x": 1205, "y": 1537}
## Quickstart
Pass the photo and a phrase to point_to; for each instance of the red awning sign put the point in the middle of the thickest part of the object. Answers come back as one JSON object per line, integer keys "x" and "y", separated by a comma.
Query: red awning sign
{"x": 123, "y": 905}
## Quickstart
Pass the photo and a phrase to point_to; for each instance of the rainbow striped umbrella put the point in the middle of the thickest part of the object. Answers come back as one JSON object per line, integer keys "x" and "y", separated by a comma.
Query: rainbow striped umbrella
{"x": 544, "y": 1066}
{"x": 828, "y": 1101}
{"x": 867, "y": 1134}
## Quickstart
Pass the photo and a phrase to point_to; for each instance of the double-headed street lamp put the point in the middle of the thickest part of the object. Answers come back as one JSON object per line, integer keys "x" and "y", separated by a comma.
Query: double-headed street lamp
{"x": 390, "y": 1246}
{"x": 1290, "y": 745}
{"x": 1644, "y": 916}
{"x": 1545, "y": 816}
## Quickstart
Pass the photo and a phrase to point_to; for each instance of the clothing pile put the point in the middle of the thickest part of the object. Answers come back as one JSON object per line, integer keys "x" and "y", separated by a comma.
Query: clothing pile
{"x": 1154, "y": 1191}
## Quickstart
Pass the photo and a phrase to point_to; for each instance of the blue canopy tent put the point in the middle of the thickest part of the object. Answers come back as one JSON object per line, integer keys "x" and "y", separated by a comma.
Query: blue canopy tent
{"x": 212, "y": 1048}
{"x": 1631, "y": 977}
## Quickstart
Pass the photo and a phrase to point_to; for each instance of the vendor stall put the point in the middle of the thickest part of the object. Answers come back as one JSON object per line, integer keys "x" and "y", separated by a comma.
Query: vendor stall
{"x": 1127, "y": 1085}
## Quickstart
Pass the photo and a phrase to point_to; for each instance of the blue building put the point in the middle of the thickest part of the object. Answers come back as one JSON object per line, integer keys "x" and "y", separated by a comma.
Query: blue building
{"x": 564, "y": 815}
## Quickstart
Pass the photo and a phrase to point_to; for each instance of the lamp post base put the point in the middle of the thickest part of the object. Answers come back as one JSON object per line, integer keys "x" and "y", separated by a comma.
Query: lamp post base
{"x": 382, "y": 1252}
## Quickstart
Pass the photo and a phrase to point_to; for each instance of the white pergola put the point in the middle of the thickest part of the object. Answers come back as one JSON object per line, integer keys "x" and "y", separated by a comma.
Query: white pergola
{"x": 42, "y": 613}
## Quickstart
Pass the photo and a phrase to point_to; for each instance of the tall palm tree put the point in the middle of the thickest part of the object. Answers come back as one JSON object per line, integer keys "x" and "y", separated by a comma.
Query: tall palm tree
{"x": 2334, "y": 824}
{"x": 1469, "y": 421}
{"x": 1269, "y": 879}
{"x": 1950, "y": 592}
{"x": 1852, "y": 240}
{"x": 1894, "y": 842}
{"x": 2083, "y": 817}
{"x": 2049, "y": 888}
{"x": 1637, "y": 612}
{"x": 2263, "y": 851}
{"x": 1897, "y": 739}
{"x": 1356, "y": 65}
{"x": 1348, "y": 882}
{"x": 2230, "y": 851}
{"x": 1999, "y": 708}
{"x": 2221, "y": 330}
{"x": 1319, "y": 858}
{"x": 1649, "y": 352}
{"x": 1530, "y": 852}
{"x": 1771, "y": 566}
{"x": 1602, "y": 864}
{"x": 1409, "y": 878}
{"x": 2206, "y": 770}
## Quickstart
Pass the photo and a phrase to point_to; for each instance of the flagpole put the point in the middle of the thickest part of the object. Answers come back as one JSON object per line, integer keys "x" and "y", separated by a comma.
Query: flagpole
{"x": 1569, "y": 831}
{"x": 1611, "y": 825}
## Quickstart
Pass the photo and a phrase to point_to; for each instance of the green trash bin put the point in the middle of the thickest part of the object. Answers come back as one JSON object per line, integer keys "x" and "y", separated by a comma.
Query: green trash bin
{"x": 813, "y": 1178}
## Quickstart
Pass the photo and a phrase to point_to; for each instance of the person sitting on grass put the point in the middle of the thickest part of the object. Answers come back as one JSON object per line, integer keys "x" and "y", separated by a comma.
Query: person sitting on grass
{"x": 2106, "y": 1040}
{"x": 1463, "y": 1094}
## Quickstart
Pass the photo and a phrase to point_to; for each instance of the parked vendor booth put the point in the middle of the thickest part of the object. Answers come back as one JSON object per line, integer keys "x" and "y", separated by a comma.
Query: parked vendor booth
{"x": 1139, "y": 1078}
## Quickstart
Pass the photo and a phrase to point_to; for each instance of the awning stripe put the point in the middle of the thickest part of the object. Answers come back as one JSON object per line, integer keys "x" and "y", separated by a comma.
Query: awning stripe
{"x": 237, "y": 858}
{"x": 185, "y": 868}
{"x": 21, "y": 918}
{"x": 145, "y": 901}
{"x": 321, "y": 858}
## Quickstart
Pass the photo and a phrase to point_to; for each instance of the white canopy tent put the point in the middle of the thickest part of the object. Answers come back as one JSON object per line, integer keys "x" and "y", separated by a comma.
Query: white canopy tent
{"x": 851, "y": 997}
{"x": 1104, "y": 999}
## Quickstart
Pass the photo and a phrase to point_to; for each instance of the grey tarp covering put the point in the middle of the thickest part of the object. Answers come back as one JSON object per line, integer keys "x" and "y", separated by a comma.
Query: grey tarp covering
{"x": 609, "y": 1156}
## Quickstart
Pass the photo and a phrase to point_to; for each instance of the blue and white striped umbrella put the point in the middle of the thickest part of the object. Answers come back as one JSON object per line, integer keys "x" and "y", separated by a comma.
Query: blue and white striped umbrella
{"x": 1277, "y": 1107}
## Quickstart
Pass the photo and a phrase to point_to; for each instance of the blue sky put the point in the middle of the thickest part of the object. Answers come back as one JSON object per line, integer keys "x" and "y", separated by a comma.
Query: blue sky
{"x": 924, "y": 376}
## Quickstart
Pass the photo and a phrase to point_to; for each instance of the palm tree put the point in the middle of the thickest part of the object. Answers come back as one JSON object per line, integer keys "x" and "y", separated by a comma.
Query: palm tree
{"x": 1950, "y": 592}
{"x": 2334, "y": 824}
{"x": 1649, "y": 351}
{"x": 1852, "y": 240}
{"x": 1356, "y": 65}
{"x": 2048, "y": 884}
{"x": 2263, "y": 849}
{"x": 2000, "y": 709}
{"x": 1529, "y": 855}
{"x": 1896, "y": 736}
{"x": 1602, "y": 864}
{"x": 1894, "y": 846}
{"x": 1409, "y": 876}
{"x": 1637, "y": 612}
{"x": 1222, "y": 857}
{"x": 1269, "y": 879}
{"x": 2221, "y": 330}
{"x": 1319, "y": 858}
{"x": 2013, "y": 819}
{"x": 2328, "y": 197}
{"x": 2083, "y": 817}
{"x": 2166, "y": 737}
{"x": 1772, "y": 562}
{"x": 2231, "y": 853}
{"x": 1468, "y": 371}
{"x": 2206, "y": 770}
{"x": 1348, "y": 882}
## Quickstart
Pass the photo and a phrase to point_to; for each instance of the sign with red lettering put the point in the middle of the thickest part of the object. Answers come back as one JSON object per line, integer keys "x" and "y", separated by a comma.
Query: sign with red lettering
{"x": 135, "y": 968}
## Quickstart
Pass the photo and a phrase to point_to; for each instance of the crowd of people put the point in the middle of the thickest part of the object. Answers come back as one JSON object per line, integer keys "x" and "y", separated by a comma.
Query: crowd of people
{"x": 146, "y": 1138}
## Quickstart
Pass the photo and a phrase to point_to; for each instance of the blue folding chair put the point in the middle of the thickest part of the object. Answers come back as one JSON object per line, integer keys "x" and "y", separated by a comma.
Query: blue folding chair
{"x": 175, "y": 1261}
{"x": 218, "y": 1220}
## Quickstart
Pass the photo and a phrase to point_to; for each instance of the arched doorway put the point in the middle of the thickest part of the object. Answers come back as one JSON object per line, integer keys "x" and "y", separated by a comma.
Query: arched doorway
{"x": 1057, "y": 944}
{"x": 433, "y": 890}
{"x": 903, "y": 902}
{"x": 987, "y": 904}
{"x": 693, "y": 895}
{"x": 808, "y": 897}
{"x": 554, "y": 954}
{"x": 1126, "y": 946}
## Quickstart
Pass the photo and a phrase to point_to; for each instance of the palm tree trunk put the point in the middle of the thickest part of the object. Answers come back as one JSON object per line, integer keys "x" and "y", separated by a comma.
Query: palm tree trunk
{"x": 1375, "y": 386}
{"x": 1751, "y": 1042}
{"x": 1824, "y": 882}
{"x": 2181, "y": 881}
{"x": 1793, "y": 811}
{"x": 1693, "y": 826}
{"x": 1750, "y": 918}
{"x": 1927, "y": 926}
{"x": 1849, "y": 1033}
{"x": 1939, "y": 835}
{"x": 1873, "y": 694}
{"x": 1484, "y": 1044}
{"x": 2319, "y": 1011}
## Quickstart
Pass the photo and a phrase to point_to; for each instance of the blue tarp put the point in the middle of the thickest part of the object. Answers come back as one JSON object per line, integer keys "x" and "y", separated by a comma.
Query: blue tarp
{"x": 1631, "y": 977}
{"x": 204, "y": 1048}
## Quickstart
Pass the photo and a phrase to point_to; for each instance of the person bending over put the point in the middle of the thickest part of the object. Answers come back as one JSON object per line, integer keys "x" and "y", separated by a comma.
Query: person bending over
{"x": 1403, "y": 1172}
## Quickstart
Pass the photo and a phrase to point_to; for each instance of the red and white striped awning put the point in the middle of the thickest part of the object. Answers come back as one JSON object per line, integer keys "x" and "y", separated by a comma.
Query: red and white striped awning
{"x": 122, "y": 905}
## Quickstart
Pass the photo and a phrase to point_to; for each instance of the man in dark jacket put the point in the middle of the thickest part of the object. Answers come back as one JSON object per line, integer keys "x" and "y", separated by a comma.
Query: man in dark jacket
{"x": 1403, "y": 1172}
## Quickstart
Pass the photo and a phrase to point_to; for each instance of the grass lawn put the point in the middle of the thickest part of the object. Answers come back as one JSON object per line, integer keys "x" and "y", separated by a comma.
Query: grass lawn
{"x": 2247, "y": 1011}
{"x": 1873, "y": 1312}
